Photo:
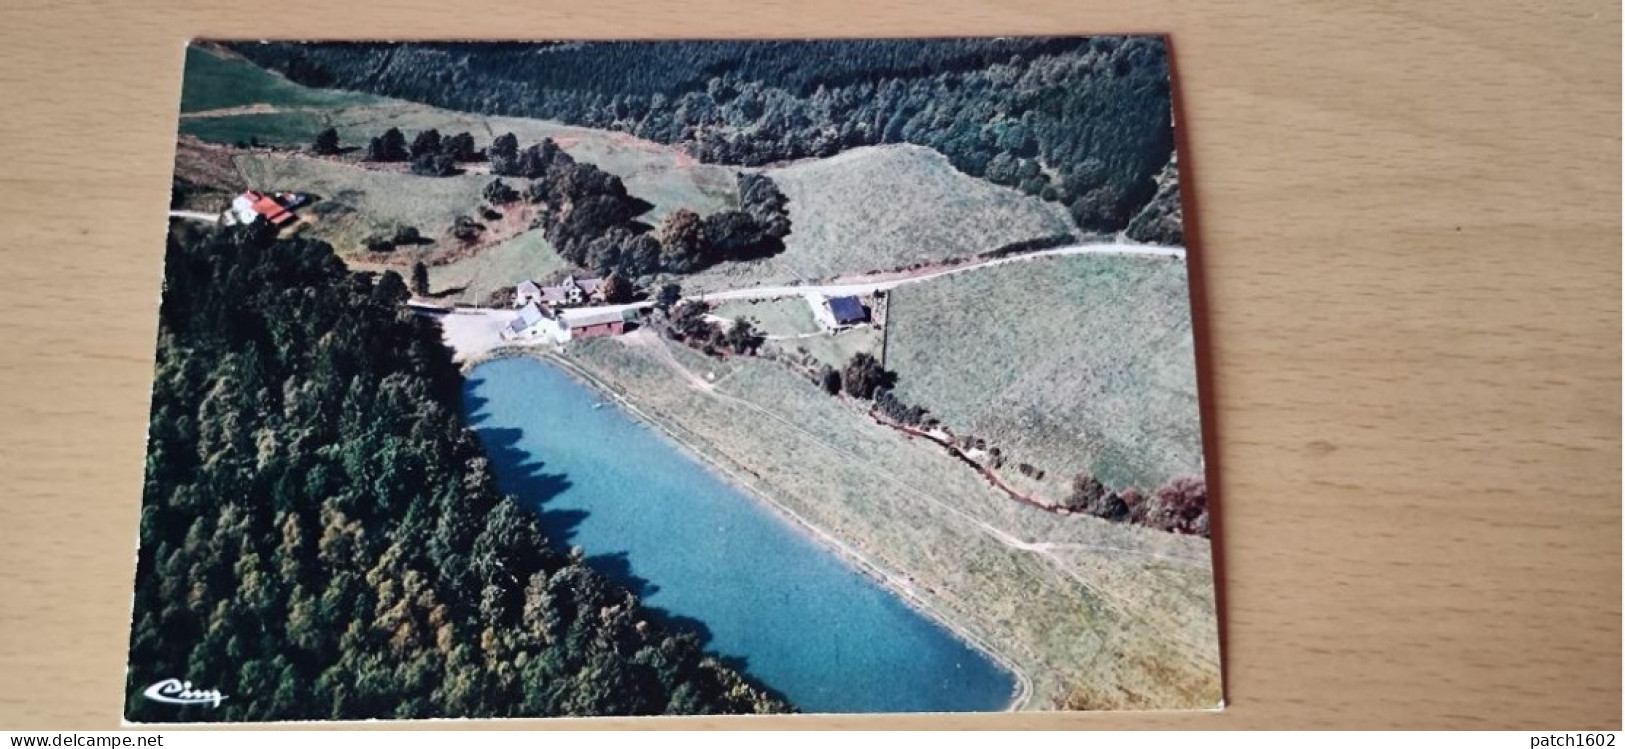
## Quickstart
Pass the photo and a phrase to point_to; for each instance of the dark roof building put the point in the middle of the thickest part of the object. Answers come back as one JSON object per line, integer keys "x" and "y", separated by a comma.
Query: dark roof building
{"x": 847, "y": 310}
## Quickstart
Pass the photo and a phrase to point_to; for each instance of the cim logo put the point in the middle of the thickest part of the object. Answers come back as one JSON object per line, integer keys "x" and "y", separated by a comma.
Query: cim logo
{"x": 177, "y": 692}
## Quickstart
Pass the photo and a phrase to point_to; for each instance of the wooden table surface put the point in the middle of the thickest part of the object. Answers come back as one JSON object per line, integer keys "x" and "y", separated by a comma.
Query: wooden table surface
{"x": 1408, "y": 251}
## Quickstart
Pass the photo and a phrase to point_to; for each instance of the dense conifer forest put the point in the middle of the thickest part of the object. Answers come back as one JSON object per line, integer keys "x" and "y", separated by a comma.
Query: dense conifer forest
{"x": 1085, "y": 122}
{"x": 321, "y": 536}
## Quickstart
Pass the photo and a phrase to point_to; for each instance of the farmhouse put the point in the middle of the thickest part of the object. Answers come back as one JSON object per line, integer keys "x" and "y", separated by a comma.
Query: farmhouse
{"x": 535, "y": 322}
{"x": 593, "y": 323}
{"x": 252, "y": 205}
{"x": 527, "y": 292}
{"x": 572, "y": 292}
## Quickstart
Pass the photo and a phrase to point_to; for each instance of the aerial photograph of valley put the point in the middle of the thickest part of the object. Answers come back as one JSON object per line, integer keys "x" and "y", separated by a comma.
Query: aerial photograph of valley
{"x": 546, "y": 379}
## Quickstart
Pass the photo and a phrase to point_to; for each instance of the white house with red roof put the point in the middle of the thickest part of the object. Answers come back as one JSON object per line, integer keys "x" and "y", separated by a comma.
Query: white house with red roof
{"x": 253, "y": 204}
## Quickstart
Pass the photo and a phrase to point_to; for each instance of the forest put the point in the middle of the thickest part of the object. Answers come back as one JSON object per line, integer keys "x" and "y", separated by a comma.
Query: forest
{"x": 322, "y": 537}
{"x": 1081, "y": 121}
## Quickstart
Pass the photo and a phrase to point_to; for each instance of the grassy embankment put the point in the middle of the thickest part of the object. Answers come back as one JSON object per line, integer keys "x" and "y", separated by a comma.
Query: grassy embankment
{"x": 1103, "y": 615}
{"x": 1071, "y": 364}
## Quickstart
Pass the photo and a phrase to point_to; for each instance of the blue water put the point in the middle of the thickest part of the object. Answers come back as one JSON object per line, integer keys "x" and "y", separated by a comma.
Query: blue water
{"x": 714, "y": 560}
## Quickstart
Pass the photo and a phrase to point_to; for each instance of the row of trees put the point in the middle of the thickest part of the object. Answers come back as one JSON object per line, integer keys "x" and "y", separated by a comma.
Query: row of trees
{"x": 431, "y": 155}
{"x": 863, "y": 377}
{"x": 592, "y": 221}
{"x": 1179, "y": 506}
{"x": 403, "y": 236}
{"x": 1085, "y": 122}
{"x": 322, "y": 538}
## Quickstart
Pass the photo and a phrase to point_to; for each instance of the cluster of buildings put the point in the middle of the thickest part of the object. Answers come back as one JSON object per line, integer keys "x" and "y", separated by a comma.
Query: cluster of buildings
{"x": 565, "y": 312}
{"x": 276, "y": 209}
{"x": 554, "y": 313}
{"x": 573, "y": 291}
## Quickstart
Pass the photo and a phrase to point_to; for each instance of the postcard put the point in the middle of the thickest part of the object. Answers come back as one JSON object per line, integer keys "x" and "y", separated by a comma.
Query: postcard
{"x": 542, "y": 379}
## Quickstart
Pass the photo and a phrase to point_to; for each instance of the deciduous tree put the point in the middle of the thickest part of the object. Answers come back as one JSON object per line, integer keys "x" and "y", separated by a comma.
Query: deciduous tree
{"x": 327, "y": 142}
{"x": 426, "y": 142}
{"x": 391, "y": 146}
{"x": 420, "y": 279}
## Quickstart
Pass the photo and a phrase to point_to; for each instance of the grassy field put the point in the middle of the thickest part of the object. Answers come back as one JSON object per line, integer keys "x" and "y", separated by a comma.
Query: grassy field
{"x": 215, "y": 80}
{"x": 1103, "y": 615}
{"x": 838, "y": 348}
{"x": 790, "y": 327}
{"x": 356, "y": 202}
{"x": 527, "y": 256}
{"x": 774, "y": 317}
{"x": 1068, "y": 363}
{"x": 866, "y": 209}
{"x": 286, "y": 128}
{"x": 280, "y": 112}
{"x": 886, "y": 207}
{"x": 209, "y": 175}
{"x": 359, "y": 202}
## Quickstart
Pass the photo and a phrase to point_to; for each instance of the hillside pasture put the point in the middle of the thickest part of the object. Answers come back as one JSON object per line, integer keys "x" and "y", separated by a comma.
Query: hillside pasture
{"x": 294, "y": 128}
{"x": 662, "y": 175}
{"x": 471, "y": 280}
{"x": 356, "y": 202}
{"x": 214, "y": 79}
{"x": 1068, "y": 363}
{"x": 207, "y": 165}
{"x": 836, "y": 349}
{"x": 279, "y": 112}
{"x": 886, "y": 207}
{"x": 665, "y": 177}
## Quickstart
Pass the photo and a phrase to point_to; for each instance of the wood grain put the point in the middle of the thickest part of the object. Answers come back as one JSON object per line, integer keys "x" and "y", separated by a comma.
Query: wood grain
{"x": 1410, "y": 279}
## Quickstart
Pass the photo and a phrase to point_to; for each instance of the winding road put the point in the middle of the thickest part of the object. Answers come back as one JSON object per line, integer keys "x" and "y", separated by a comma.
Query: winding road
{"x": 860, "y": 288}
{"x": 474, "y": 332}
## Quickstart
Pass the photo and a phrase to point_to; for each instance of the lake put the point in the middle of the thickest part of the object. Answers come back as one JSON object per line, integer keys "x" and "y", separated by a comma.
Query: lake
{"x": 714, "y": 560}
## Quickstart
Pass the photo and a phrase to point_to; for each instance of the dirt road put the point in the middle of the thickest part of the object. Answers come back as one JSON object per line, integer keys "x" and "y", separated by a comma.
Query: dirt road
{"x": 196, "y": 216}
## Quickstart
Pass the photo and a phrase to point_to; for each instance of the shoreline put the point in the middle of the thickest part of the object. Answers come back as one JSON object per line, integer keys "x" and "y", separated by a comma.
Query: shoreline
{"x": 1022, "y": 691}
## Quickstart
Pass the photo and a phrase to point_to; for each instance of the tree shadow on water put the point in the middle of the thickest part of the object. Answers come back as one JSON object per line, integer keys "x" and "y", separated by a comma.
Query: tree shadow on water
{"x": 617, "y": 566}
{"x": 521, "y": 474}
